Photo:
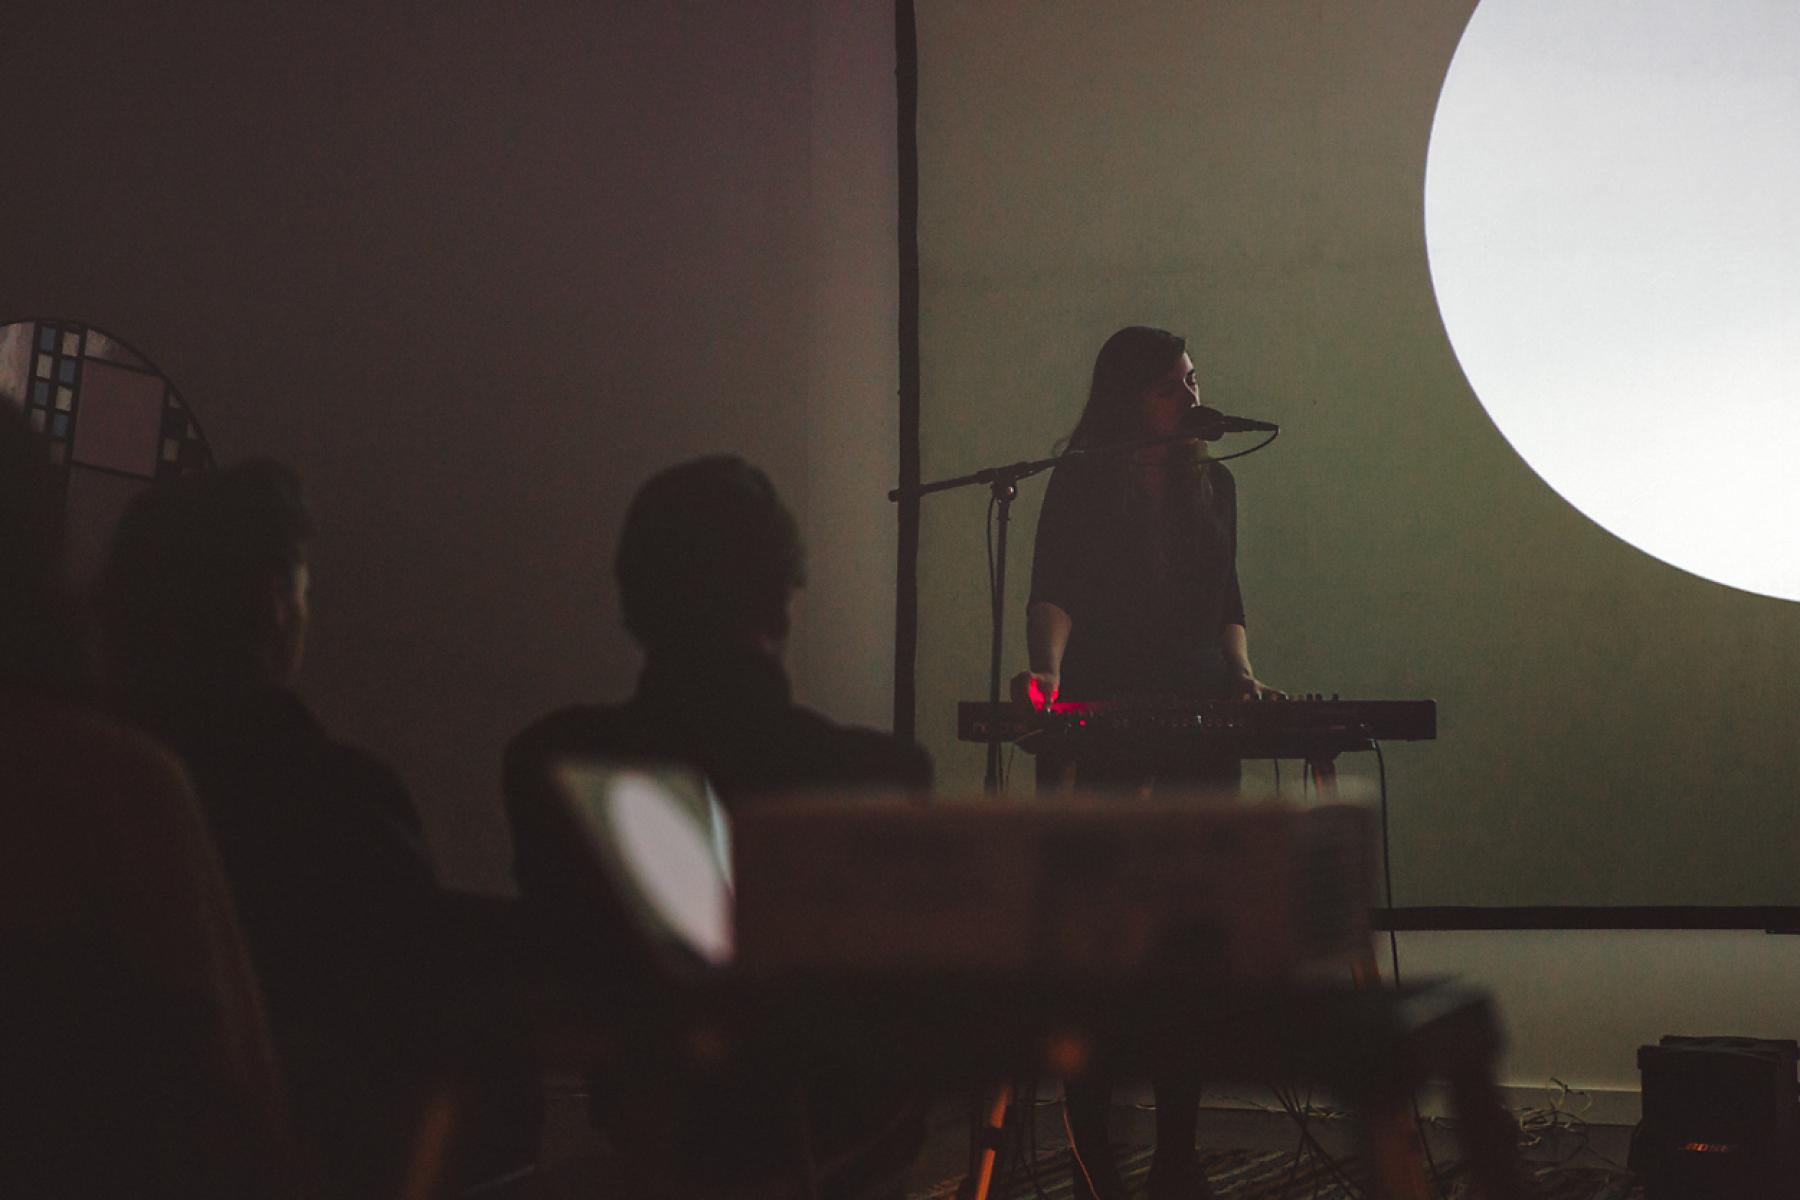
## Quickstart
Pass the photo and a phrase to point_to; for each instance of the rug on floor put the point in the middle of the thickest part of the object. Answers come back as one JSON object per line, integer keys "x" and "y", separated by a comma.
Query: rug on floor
{"x": 1277, "y": 1174}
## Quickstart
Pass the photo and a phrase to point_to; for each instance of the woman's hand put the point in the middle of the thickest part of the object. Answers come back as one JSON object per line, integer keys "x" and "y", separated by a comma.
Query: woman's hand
{"x": 1246, "y": 686}
{"x": 1244, "y": 683}
{"x": 1046, "y": 636}
{"x": 1036, "y": 690}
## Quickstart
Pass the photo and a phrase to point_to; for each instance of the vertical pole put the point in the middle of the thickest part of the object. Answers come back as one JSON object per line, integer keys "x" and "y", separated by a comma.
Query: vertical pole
{"x": 906, "y": 582}
{"x": 1004, "y": 491}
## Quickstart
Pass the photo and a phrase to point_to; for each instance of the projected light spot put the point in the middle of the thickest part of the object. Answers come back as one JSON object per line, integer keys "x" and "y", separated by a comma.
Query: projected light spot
{"x": 1612, "y": 215}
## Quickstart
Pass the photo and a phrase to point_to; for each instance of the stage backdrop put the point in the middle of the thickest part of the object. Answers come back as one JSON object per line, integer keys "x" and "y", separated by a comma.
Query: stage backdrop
{"x": 1612, "y": 730}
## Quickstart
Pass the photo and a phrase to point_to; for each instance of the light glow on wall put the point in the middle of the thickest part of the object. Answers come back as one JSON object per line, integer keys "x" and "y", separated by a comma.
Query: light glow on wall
{"x": 1612, "y": 217}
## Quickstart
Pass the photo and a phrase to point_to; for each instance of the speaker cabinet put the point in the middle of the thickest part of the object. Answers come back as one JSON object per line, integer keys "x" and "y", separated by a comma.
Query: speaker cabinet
{"x": 1721, "y": 1119}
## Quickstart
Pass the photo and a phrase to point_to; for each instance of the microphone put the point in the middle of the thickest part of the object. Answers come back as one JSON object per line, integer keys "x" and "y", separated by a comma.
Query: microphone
{"x": 1209, "y": 424}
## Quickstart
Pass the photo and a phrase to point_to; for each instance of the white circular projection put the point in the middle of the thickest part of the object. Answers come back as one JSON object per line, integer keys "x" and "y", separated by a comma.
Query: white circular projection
{"x": 1612, "y": 214}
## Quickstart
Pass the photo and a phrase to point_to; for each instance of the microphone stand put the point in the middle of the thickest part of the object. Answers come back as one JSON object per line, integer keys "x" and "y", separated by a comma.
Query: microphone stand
{"x": 1003, "y": 485}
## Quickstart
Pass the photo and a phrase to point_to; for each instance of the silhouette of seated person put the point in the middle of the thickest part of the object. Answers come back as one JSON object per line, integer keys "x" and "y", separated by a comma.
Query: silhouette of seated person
{"x": 137, "y": 1055}
{"x": 708, "y": 563}
{"x": 204, "y": 603}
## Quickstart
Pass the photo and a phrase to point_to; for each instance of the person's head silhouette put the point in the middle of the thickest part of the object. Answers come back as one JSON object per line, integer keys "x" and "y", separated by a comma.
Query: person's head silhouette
{"x": 205, "y": 587}
{"x": 709, "y": 557}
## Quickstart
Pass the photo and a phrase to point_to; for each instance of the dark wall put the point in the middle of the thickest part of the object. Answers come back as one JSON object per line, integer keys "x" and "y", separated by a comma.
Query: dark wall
{"x": 476, "y": 270}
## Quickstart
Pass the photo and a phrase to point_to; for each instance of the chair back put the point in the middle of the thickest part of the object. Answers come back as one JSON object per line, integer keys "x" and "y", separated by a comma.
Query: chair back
{"x": 138, "y": 1058}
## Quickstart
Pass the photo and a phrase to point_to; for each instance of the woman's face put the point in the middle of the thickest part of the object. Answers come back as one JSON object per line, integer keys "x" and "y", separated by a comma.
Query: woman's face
{"x": 1168, "y": 398}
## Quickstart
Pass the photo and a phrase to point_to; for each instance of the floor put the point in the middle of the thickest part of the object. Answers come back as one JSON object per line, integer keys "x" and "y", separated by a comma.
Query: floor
{"x": 575, "y": 1157}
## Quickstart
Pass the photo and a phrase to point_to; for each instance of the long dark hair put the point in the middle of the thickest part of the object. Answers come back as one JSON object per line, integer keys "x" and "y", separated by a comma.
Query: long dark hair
{"x": 1132, "y": 360}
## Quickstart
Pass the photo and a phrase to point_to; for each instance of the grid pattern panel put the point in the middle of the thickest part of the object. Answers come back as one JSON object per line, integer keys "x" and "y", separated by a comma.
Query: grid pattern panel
{"x": 52, "y": 396}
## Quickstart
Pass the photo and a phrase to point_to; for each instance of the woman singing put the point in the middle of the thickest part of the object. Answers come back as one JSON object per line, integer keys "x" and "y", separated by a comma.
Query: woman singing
{"x": 1134, "y": 593}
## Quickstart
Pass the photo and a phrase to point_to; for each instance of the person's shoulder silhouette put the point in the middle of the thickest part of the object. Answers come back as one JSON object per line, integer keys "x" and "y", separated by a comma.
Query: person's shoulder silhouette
{"x": 708, "y": 561}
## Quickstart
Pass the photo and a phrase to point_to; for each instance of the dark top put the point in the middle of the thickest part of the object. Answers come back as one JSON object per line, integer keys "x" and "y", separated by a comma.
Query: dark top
{"x": 360, "y": 953}
{"x": 730, "y": 715}
{"x": 324, "y": 852}
{"x": 1146, "y": 610}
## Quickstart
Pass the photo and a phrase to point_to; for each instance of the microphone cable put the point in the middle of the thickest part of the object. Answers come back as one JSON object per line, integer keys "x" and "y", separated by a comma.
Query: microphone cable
{"x": 1262, "y": 445}
{"x": 1387, "y": 883}
{"x": 1387, "y": 862}
{"x": 1301, "y": 1113}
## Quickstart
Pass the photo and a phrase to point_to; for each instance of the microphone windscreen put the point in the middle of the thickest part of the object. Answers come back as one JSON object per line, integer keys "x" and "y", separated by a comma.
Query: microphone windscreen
{"x": 1208, "y": 424}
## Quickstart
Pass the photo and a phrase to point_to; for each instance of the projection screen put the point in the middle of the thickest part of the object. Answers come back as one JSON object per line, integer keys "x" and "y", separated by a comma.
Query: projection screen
{"x": 1614, "y": 729}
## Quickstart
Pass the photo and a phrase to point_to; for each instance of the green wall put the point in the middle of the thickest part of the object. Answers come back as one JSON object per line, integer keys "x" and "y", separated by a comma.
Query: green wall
{"x": 1611, "y": 730}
